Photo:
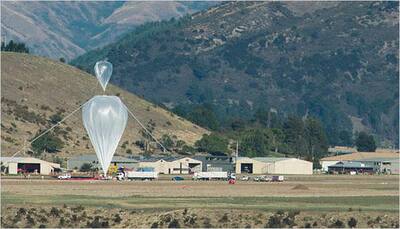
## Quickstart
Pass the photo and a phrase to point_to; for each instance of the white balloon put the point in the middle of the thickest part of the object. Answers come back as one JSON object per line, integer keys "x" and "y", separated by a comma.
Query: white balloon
{"x": 105, "y": 118}
{"x": 103, "y": 71}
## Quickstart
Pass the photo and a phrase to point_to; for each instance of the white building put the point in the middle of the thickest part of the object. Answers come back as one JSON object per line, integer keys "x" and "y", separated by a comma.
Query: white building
{"x": 273, "y": 165}
{"x": 29, "y": 165}
{"x": 172, "y": 165}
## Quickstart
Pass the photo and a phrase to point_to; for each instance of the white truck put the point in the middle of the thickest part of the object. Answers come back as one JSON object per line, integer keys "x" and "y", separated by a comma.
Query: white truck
{"x": 141, "y": 175}
{"x": 210, "y": 176}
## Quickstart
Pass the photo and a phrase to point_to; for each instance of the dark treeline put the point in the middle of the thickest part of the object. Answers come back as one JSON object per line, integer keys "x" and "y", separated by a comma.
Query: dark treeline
{"x": 14, "y": 47}
{"x": 268, "y": 133}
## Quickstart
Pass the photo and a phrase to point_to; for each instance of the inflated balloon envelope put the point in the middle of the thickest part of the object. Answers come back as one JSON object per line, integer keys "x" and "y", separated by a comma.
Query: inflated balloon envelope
{"x": 105, "y": 118}
{"x": 103, "y": 71}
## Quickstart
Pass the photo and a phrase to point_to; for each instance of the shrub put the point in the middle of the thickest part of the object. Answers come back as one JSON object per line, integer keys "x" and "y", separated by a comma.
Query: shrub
{"x": 154, "y": 225}
{"x": 62, "y": 221}
{"x": 117, "y": 218}
{"x": 54, "y": 211}
{"x": 280, "y": 212}
{"x": 274, "y": 222}
{"x": 78, "y": 209}
{"x": 55, "y": 118}
{"x": 224, "y": 218}
{"x": 293, "y": 213}
{"x": 86, "y": 167}
{"x": 42, "y": 219}
{"x": 289, "y": 221}
{"x": 207, "y": 223}
{"x": 352, "y": 222}
{"x": 21, "y": 211}
{"x": 174, "y": 224}
{"x": 338, "y": 224}
{"x": 30, "y": 221}
{"x": 96, "y": 223}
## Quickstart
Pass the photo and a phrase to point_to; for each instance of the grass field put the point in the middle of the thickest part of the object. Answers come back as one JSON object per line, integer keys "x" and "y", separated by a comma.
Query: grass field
{"x": 314, "y": 196}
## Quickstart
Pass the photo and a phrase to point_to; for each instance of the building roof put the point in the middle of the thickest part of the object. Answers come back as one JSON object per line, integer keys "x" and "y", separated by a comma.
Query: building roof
{"x": 27, "y": 160}
{"x": 360, "y": 156}
{"x": 271, "y": 159}
{"x": 342, "y": 149}
{"x": 268, "y": 159}
{"x": 154, "y": 159}
{"x": 93, "y": 157}
{"x": 346, "y": 164}
{"x": 380, "y": 159}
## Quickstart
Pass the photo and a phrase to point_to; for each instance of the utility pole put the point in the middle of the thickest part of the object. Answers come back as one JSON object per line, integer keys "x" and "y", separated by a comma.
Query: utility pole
{"x": 237, "y": 149}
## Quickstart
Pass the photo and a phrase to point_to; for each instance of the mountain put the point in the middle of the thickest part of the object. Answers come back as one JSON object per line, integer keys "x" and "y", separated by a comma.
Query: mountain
{"x": 37, "y": 91}
{"x": 68, "y": 29}
{"x": 337, "y": 61}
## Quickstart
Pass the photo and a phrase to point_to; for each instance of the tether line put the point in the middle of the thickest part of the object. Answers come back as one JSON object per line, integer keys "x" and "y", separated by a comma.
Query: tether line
{"x": 48, "y": 130}
{"x": 147, "y": 131}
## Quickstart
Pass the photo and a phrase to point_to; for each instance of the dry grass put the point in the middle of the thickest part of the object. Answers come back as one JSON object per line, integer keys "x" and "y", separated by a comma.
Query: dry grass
{"x": 323, "y": 185}
{"x": 36, "y": 82}
{"x": 330, "y": 201}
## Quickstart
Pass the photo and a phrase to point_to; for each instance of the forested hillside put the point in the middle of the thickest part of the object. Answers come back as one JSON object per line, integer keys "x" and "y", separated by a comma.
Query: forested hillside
{"x": 337, "y": 62}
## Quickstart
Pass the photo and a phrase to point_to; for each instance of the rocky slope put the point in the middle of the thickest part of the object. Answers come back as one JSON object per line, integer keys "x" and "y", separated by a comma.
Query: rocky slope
{"x": 69, "y": 29}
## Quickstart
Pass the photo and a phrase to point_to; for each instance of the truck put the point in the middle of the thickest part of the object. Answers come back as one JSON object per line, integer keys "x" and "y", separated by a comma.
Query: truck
{"x": 277, "y": 178}
{"x": 210, "y": 176}
{"x": 141, "y": 175}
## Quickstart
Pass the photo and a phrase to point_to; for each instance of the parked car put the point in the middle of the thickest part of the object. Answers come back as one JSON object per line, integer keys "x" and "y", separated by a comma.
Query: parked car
{"x": 177, "y": 178}
{"x": 120, "y": 176}
{"x": 64, "y": 176}
{"x": 245, "y": 178}
{"x": 257, "y": 178}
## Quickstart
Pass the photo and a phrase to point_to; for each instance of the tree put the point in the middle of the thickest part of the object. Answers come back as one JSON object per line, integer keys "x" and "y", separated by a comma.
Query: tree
{"x": 212, "y": 143}
{"x": 167, "y": 141}
{"x": 365, "y": 142}
{"x": 294, "y": 135}
{"x": 55, "y": 118}
{"x": 86, "y": 167}
{"x": 205, "y": 117}
{"x": 62, "y": 60}
{"x": 345, "y": 138}
{"x": 48, "y": 143}
{"x": 14, "y": 47}
{"x": 316, "y": 140}
{"x": 255, "y": 143}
